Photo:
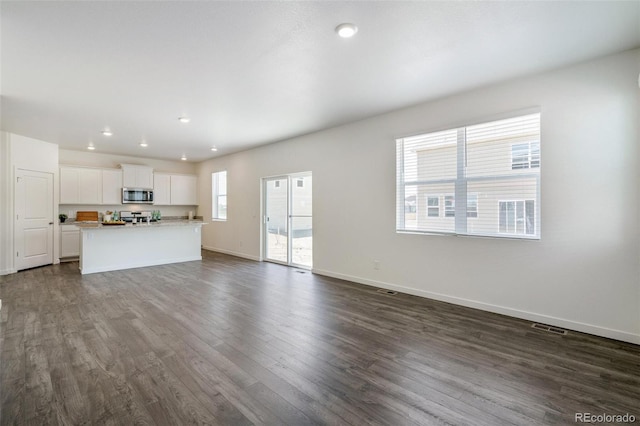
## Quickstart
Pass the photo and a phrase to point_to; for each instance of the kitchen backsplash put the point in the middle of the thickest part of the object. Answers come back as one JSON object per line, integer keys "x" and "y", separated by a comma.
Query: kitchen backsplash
{"x": 166, "y": 211}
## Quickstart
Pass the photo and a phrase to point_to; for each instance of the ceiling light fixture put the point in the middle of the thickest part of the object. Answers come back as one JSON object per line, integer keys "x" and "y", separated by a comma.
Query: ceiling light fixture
{"x": 213, "y": 148}
{"x": 184, "y": 119}
{"x": 183, "y": 158}
{"x": 144, "y": 144}
{"x": 346, "y": 30}
{"x": 91, "y": 147}
{"x": 107, "y": 133}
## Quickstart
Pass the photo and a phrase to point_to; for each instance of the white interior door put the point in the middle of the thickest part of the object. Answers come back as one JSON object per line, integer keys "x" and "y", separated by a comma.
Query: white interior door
{"x": 34, "y": 219}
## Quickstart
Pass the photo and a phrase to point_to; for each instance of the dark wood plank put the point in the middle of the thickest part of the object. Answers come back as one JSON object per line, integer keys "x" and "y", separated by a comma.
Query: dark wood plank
{"x": 231, "y": 341}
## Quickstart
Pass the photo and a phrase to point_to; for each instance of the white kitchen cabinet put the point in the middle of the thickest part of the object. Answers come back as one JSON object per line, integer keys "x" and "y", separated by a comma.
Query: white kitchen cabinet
{"x": 90, "y": 186}
{"x": 111, "y": 186}
{"x": 184, "y": 190}
{"x": 134, "y": 176}
{"x": 175, "y": 190}
{"x": 79, "y": 185}
{"x": 69, "y": 177}
{"x": 161, "y": 189}
{"x": 69, "y": 241}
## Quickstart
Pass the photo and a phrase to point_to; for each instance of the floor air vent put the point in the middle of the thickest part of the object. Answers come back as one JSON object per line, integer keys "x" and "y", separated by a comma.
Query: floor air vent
{"x": 385, "y": 291}
{"x": 549, "y": 328}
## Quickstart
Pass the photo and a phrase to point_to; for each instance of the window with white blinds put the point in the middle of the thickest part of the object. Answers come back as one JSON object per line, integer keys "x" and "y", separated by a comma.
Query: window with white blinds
{"x": 479, "y": 180}
{"x": 219, "y": 195}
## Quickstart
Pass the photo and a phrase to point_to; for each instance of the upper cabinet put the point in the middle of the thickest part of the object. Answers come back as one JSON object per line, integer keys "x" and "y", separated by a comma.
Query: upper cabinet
{"x": 173, "y": 189}
{"x": 87, "y": 185}
{"x": 161, "y": 189}
{"x": 80, "y": 185}
{"x": 69, "y": 178}
{"x": 111, "y": 186}
{"x": 184, "y": 190}
{"x": 134, "y": 176}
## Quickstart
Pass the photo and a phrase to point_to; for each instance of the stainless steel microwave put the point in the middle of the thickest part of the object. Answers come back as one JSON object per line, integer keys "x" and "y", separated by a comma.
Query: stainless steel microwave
{"x": 137, "y": 196}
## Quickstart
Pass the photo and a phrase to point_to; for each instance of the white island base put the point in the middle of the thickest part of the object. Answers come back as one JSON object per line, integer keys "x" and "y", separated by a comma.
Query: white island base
{"x": 111, "y": 248}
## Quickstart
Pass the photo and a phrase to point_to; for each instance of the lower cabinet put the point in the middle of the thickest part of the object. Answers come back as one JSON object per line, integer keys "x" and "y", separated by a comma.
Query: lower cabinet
{"x": 69, "y": 242}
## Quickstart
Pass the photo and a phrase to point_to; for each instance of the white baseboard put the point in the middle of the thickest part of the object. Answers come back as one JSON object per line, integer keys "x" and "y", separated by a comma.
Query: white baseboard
{"x": 232, "y": 253}
{"x": 8, "y": 271}
{"x": 530, "y": 316}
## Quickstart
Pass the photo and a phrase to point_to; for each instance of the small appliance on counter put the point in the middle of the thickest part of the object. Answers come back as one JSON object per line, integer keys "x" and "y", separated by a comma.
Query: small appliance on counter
{"x": 136, "y": 217}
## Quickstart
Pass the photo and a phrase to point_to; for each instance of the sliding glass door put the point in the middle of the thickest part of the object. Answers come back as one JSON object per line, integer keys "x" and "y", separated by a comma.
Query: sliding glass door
{"x": 276, "y": 223}
{"x": 287, "y": 222}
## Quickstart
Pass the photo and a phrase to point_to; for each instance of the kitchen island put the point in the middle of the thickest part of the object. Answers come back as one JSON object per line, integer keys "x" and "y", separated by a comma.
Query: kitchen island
{"x": 114, "y": 247}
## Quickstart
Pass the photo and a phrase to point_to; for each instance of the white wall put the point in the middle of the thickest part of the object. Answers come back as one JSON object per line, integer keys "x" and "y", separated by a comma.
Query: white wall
{"x": 583, "y": 274}
{"x": 6, "y": 206}
{"x": 19, "y": 152}
{"x": 97, "y": 159}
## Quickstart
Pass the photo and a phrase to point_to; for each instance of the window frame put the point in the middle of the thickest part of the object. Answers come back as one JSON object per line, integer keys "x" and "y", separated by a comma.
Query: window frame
{"x": 460, "y": 180}
{"x": 450, "y": 210}
{"x": 475, "y": 215}
{"x": 525, "y": 223}
{"x": 216, "y": 197}
{"x": 531, "y": 158}
{"x": 430, "y": 207}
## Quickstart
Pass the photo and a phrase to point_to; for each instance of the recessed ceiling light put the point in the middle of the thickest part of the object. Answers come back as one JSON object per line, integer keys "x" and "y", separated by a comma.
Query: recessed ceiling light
{"x": 184, "y": 119}
{"x": 144, "y": 144}
{"x": 346, "y": 30}
{"x": 91, "y": 147}
{"x": 183, "y": 158}
{"x": 213, "y": 148}
{"x": 107, "y": 132}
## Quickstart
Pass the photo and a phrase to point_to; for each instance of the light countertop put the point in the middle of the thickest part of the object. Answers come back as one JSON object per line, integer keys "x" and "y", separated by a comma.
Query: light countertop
{"x": 159, "y": 224}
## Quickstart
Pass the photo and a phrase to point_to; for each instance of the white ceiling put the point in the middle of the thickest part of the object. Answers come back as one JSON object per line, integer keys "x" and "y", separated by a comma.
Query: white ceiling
{"x": 250, "y": 73}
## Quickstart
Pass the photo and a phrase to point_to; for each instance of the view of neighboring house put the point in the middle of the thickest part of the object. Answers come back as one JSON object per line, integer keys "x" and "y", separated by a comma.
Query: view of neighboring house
{"x": 487, "y": 176}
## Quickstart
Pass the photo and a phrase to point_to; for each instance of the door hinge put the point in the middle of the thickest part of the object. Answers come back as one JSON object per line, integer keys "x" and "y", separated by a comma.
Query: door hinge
{"x": 17, "y": 254}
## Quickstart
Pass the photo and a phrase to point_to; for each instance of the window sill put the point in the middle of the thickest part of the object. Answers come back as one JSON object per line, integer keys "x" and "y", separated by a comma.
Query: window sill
{"x": 451, "y": 234}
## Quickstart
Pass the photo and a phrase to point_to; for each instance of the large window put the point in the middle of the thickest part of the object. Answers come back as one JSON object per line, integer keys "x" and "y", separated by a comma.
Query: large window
{"x": 482, "y": 179}
{"x": 219, "y": 195}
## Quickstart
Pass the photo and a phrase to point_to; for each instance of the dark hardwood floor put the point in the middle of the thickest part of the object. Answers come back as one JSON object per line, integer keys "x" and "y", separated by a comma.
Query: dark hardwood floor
{"x": 233, "y": 342}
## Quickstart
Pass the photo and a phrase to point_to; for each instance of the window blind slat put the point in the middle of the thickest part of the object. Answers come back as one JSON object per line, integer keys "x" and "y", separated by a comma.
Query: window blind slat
{"x": 500, "y": 180}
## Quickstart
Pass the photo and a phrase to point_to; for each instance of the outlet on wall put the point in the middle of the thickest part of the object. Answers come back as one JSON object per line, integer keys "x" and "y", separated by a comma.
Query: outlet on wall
{"x": 376, "y": 264}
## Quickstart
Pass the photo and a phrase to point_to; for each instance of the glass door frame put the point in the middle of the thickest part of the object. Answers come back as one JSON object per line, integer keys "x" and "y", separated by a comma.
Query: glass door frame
{"x": 264, "y": 228}
{"x": 264, "y": 234}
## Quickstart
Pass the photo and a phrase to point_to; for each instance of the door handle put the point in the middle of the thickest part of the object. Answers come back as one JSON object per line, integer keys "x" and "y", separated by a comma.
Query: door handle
{"x": 50, "y": 223}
